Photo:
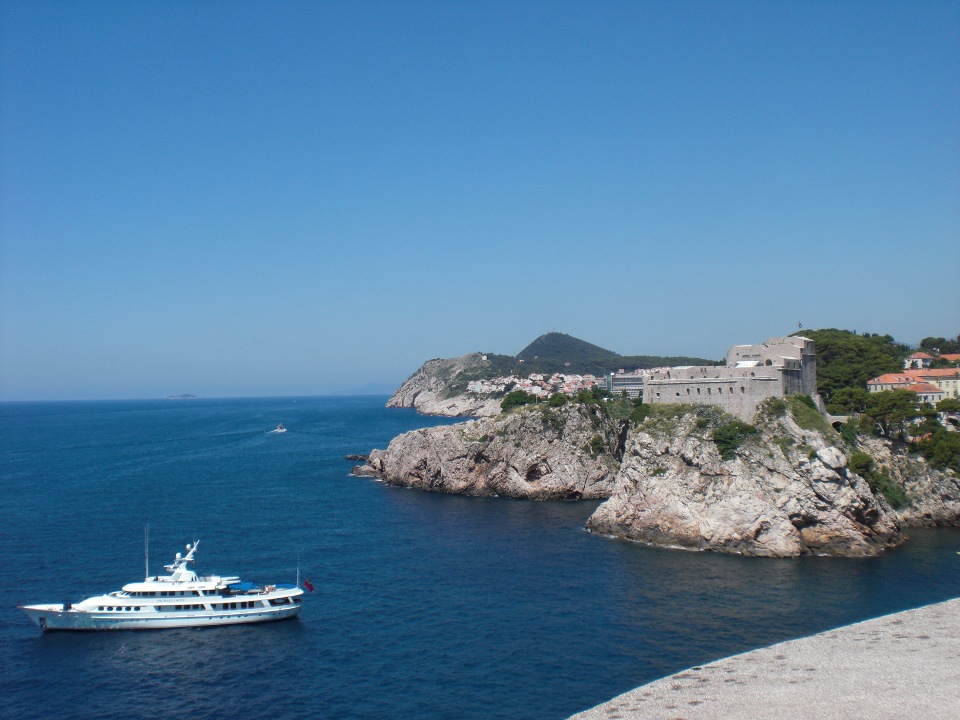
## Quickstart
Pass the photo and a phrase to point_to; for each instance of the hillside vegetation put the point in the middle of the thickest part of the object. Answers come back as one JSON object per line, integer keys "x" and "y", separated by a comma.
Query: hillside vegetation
{"x": 558, "y": 352}
{"x": 548, "y": 354}
{"x": 847, "y": 360}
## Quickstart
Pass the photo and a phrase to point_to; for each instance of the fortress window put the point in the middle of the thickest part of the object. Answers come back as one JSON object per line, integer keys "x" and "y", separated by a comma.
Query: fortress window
{"x": 698, "y": 391}
{"x": 709, "y": 391}
{"x": 742, "y": 389}
{"x": 688, "y": 391}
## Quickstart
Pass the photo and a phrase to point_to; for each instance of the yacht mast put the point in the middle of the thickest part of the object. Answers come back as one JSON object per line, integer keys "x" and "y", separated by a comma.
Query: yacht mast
{"x": 146, "y": 551}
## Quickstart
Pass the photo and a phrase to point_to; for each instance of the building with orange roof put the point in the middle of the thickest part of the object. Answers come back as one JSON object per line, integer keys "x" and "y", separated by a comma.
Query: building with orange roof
{"x": 890, "y": 381}
{"x": 918, "y": 361}
{"x": 945, "y": 379}
{"x": 927, "y": 393}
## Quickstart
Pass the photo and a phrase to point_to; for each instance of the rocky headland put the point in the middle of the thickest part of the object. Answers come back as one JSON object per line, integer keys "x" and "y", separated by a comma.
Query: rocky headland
{"x": 539, "y": 453}
{"x": 782, "y": 491}
{"x": 689, "y": 477}
{"x": 442, "y": 386}
{"x": 434, "y": 389}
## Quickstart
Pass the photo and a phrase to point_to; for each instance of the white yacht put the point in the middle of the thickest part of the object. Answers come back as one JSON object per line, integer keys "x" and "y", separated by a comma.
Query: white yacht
{"x": 180, "y": 599}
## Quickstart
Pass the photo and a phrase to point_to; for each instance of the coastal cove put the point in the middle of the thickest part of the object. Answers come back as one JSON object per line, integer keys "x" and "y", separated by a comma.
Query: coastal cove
{"x": 426, "y": 606}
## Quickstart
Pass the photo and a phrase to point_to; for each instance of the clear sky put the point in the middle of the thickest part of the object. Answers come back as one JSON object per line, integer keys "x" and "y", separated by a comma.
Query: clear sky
{"x": 294, "y": 198}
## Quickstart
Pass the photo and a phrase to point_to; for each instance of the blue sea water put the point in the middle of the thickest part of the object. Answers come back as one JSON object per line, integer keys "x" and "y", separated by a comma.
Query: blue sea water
{"x": 426, "y": 605}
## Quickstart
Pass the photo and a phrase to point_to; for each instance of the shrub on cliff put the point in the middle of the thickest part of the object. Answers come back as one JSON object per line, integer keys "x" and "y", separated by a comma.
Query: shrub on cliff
{"x": 850, "y": 431}
{"x": 516, "y": 399}
{"x": 878, "y": 479}
{"x": 729, "y": 436}
{"x": 942, "y": 450}
{"x": 806, "y": 414}
{"x": 557, "y": 400}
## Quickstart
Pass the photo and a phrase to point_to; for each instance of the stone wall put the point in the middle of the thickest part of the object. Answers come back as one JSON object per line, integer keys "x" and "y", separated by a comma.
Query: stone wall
{"x": 753, "y": 373}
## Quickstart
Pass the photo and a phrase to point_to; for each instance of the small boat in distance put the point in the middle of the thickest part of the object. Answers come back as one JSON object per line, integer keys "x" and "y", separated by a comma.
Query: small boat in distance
{"x": 180, "y": 599}
{"x": 280, "y": 428}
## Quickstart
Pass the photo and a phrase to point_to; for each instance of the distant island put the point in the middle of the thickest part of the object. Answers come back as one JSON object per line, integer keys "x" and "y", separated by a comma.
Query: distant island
{"x": 182, "y": 397}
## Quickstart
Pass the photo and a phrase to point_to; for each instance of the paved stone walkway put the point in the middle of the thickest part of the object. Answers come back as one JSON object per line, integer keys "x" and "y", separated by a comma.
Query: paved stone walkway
{"x": 898, "y": 667}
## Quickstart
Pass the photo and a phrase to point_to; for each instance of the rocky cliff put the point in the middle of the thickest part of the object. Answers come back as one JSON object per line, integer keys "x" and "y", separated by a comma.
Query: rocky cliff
{"x": 429, "y": 389}
{"x": 534, "y": 452}
{"x": 688, "y": 477}
{"x": 785, "y": 491}
{"x": 933, "y": 495}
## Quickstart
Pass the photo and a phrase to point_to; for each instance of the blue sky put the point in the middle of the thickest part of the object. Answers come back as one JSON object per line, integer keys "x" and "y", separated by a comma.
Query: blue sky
{"x": 294, "y": 198}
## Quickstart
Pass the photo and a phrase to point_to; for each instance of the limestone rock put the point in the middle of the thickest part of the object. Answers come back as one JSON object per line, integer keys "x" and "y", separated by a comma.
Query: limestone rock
{"x": 432, "y": 390}
{"x": 535, "y": 452}
{"x": 934, "y": 495}
{"x": 787, "y": 492}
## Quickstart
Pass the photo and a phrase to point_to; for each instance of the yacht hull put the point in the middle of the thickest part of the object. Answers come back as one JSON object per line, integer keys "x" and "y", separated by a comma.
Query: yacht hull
{"x": 181, "y": 599}
{"x": 54, "y": 617}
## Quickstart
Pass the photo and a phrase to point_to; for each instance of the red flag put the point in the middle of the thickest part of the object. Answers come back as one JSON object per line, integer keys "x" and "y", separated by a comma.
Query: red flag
{"x": 308, "y": 585}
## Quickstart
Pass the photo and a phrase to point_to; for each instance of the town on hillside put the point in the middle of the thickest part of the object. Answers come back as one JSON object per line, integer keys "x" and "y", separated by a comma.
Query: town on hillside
{"x": 752, "y": 373}
{"x": 929, "y": 383}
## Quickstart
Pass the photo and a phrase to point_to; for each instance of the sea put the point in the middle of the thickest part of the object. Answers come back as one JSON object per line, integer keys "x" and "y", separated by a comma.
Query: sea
{"x": 425, "y": 605}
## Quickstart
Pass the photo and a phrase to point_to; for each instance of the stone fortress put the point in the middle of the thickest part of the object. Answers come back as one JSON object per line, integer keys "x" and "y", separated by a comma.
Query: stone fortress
{"x": 779, "y": 367}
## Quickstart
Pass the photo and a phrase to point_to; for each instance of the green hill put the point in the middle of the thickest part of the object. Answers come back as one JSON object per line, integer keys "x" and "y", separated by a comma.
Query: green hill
{"x": 558, "y": 352}
{"x": 559, "y": 346}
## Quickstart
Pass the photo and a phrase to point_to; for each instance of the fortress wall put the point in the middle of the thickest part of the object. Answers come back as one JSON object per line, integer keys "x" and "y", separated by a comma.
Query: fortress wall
{"x": 778, "y": 367}
{"x": 739, "y": 395}
{"x": 773, "y": 350}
